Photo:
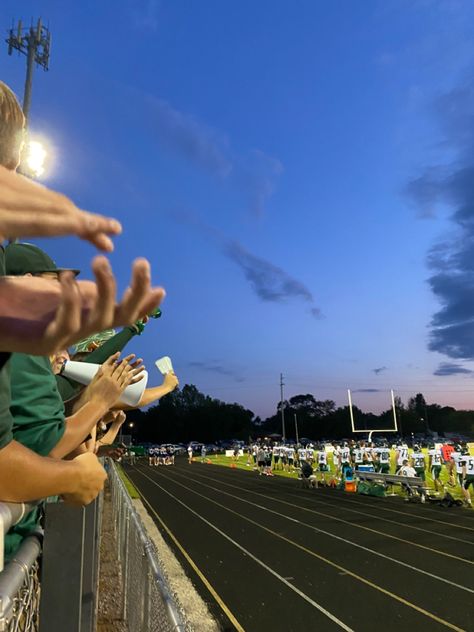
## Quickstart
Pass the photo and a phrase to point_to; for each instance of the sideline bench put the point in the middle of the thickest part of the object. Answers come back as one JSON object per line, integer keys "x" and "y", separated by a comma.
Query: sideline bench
{"x": 388, "y": 480}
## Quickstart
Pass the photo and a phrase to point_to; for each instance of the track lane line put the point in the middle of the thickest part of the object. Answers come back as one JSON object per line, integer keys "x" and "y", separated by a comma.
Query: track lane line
{"x": 223, "y": 606}
{"x": 303, "y": 595}
{"x": 346, "y": 571}
{"x": 332, "y": 535}
{"x": 359, "y": 526}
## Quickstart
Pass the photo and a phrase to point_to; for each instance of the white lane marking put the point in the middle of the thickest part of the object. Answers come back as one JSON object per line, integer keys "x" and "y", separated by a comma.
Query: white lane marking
{"x": 355, "y": 524}
{"x": 332, "y": 535}
{"x": 253, "y": 557}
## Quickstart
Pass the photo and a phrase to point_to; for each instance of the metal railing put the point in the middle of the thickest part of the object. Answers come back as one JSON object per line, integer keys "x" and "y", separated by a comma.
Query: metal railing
{"x": 19, "y": 582}
{"x": 149, "y": 604}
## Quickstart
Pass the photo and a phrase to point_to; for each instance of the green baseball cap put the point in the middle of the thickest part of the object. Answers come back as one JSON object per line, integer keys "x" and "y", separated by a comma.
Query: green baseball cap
{"x": 23, "y": 259}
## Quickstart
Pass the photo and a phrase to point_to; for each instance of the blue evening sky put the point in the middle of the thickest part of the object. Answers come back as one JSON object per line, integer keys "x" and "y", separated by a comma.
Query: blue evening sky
{"x": 279, "y": 164}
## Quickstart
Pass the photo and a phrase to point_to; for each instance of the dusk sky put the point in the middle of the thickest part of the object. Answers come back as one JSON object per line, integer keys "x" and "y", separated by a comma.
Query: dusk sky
{"x": 299, "y": 174}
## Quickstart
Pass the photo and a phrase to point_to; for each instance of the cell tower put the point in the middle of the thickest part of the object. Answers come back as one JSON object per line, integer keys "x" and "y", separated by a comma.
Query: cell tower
{"x": 35, "y": 43}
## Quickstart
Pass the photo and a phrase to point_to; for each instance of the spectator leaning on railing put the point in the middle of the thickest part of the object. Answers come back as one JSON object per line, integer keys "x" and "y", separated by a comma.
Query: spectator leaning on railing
{"x": 37, "y": 316}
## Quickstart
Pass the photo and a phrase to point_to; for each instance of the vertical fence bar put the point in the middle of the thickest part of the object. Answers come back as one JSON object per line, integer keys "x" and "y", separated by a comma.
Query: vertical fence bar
{"x": 62, "y": 573}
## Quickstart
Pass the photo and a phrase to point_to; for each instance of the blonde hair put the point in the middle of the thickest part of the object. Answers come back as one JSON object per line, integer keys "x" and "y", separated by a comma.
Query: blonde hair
{"x": 12, "y": 124}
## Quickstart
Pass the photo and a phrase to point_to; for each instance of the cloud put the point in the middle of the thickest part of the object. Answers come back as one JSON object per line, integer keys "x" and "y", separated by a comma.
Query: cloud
{"x": 451, "y": 261}
{"x": 367, "y": 390}
{"x": 253, "y": 173}
{"x": 145, "y": 14}
{"x": 217, "y": 368}
{"x": 196, "y": 142}
{"x": 380, "y": 370}
{"x": 268, "y": 281}
{"x": 448, "y": 368}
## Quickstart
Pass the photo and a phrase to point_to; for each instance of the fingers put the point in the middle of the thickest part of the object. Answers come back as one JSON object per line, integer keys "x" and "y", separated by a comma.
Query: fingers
{"x": 139, "y": 298}
{"x": 67, "y": 320}
{"x": 29, "y": 209}
{"x": 103, "y": 312}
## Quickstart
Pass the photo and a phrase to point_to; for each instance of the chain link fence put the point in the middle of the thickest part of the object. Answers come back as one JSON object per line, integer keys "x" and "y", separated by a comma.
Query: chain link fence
{"x": 149, "y": 604}
{"x": 20, "y": 589}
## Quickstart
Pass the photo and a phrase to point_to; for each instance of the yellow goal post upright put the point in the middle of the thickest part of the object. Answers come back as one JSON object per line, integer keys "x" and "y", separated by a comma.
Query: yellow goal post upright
{"x": 371, "y": 431}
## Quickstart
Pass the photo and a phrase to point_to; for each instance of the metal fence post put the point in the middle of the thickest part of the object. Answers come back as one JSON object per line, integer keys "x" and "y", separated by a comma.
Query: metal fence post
{"x": 62, "y": 575}
{"x": 90, "y": 566}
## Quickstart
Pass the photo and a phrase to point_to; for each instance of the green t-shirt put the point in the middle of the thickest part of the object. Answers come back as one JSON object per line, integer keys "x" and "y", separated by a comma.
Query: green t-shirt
{"x": 5, "y": 417}
{"x": 36, "y": 406}
{"x": 38, "y": 423}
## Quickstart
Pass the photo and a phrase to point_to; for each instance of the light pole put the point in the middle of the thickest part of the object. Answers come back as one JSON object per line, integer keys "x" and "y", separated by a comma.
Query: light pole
{"x": 296, "y": 430}
{"x": 35, "y": 43}
{"x": 282, "y": 411}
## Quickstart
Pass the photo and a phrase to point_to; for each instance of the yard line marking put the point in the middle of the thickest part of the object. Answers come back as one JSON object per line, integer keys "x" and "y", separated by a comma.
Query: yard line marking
{"x": 390, "y": 594}
{"x": 354, "y": 524}
{"x": 255, "y": 559}
{"x": 333, "y": 535}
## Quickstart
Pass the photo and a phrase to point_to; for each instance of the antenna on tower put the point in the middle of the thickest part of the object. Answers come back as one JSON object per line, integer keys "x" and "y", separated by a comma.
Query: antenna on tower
{"x": 35, "y": 43}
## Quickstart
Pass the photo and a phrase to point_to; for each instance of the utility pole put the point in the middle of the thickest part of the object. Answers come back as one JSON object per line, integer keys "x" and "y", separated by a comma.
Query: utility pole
{"x": 296, "y": 430}
{"x": 35, "y": 43}
{"x": 282, "y": 410}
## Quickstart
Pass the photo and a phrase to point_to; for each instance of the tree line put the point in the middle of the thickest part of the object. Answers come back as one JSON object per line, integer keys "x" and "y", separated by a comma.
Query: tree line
{"x": 187, "y": 415}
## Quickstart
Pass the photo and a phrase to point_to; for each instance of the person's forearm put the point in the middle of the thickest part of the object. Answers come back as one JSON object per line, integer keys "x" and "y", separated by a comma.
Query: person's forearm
{"x": 149, "y": 396}
{"x": 26, "y": 476}
{"x": 68, "y": 389}
{"x": 78, "y": 426}
{"x": 110, "y": 435}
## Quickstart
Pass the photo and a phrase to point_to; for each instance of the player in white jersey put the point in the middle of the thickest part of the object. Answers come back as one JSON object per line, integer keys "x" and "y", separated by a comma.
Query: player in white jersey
{"x": 190, "y": 453}
{"x": 290, "y": 455}
{"x": 301, "y": 455}
{"x": 418, "y": 461}
{"x": 336, "y": 459}
{"x": 310, "y": 454}
{"x": 322, "y": 458}
{"x": 345, "y": 458}
{"x": 357, "y": 456}
{"x": 276, "y": 456}
{"x": 383, "y": 459}
{"x": 435, "y": 464}
{"x": 459, "y": 459}
{"x": 254, "y": 455}
{"x": 401, "y": 455}
{"x": 151, "y": 456}
{"x": 370, "y": 454}
{"x": 468, "y": 478}
{"x": 283, "y": 457}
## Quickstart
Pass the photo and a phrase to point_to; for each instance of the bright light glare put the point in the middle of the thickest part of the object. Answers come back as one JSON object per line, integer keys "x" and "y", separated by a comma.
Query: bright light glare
{"x": 35, "y": 158}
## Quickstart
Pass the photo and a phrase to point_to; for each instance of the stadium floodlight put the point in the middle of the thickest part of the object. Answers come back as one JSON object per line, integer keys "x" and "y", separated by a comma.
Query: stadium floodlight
{"x": 372, "y": 430}
{"x": 35, "y": 158}
{"x": 38, "y": 157}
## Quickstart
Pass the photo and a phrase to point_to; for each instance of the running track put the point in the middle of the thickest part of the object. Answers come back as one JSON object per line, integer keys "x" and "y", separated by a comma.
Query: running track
{"x": 266, "y": 554}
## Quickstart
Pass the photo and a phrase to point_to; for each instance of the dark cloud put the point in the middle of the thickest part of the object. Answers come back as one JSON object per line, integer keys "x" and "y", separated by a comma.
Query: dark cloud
{"x": 451, "y": 261}
{"x": 268, "y": 281}
{"x": 190, "y": 138}
{"x": 367, "y": 390}
{"x": 254, "y": 173}
{"x": 380, "y": 370}
{"x": 447, "y": 368}
{"x": 217, "y": 368}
